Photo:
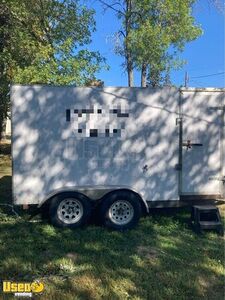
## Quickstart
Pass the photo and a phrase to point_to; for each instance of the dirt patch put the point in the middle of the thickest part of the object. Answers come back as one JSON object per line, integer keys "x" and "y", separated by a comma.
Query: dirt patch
{"x": 72, "y": 255}
{"x": 148, "y": 252}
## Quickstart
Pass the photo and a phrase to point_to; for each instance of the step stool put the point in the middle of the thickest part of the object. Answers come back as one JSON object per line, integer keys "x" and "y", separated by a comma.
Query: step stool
{"x": 206, "y": 217}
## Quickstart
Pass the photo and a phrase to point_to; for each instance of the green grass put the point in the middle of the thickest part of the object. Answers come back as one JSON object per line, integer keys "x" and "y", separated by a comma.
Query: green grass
{"x": 160, "y": 259}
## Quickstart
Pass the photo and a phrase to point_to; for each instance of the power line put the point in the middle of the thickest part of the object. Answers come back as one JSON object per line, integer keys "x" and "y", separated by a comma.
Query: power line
{"x": 209, "y": 75}
{"x": 198, "y": 83}
{"x": 188, "y": 78}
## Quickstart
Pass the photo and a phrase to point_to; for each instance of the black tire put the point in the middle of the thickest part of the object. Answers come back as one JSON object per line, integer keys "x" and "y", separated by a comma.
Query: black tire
{"x": 45, "y": 211}
{"x": 109, "y": 202}
{"x": 81, "y": 210}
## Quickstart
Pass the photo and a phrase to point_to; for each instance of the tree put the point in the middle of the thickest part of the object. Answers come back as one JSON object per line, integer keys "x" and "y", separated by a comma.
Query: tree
{"x": 5, "y": 27}
{"x": 153, "y": 32}
{"x": 162, "y": 28}
{"x": 43, "y": 41}
{"x": 124, "y": 11}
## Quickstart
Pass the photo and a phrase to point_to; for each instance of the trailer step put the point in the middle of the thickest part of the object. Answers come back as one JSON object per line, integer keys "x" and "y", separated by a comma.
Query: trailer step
{"x": 206, "y": 217}
{"x": 209, "y": 224}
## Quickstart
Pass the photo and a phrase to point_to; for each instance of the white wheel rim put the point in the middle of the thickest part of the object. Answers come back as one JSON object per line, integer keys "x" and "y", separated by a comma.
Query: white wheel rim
{"x": 70, "y": 211}
{"x": 121, "y": 212}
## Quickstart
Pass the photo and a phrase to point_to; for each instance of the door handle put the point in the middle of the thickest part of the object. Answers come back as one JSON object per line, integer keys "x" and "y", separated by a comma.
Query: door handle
{"x": 189, "y": 144}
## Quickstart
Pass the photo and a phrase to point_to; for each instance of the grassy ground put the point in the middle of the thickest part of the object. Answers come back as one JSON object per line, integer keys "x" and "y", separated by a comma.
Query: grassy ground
{"x": 160, "y": 259}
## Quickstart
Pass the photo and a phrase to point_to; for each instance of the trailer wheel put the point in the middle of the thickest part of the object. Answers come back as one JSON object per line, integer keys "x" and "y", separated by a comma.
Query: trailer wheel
{"x": 120, "y": 210}
{"x": 70, "y": 210}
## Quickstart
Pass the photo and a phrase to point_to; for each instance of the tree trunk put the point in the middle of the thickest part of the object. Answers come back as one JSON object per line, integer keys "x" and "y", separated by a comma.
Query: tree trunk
{"x": 130, "y": 73}
{"x": 144, "y": 75}
{"x": 129, "y": 62}
{"x": 4, "y": 82}
{"x": 155, "y": 77}
{"x": 1, "y": 124}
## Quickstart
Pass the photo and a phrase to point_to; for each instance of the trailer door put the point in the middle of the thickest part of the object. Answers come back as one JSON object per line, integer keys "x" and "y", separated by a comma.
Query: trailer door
{"x": 202, "y": 143}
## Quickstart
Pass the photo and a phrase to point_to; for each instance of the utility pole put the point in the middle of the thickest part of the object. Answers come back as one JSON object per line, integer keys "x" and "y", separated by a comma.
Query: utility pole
{"x": 186, "y": 79}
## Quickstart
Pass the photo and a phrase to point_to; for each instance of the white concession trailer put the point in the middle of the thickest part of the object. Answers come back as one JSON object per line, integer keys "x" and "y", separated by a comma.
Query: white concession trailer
{"x": 123, "y": 150}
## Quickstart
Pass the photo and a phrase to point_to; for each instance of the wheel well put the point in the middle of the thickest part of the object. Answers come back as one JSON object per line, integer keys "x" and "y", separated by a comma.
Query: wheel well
{"x": 139, "y": 198}
{"x": 44, "y": 207}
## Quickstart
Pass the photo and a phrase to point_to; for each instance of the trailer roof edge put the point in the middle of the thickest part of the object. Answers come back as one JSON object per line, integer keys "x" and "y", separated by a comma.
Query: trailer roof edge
{"x": 183, "y": 89}
{"x": 208, "y": 89}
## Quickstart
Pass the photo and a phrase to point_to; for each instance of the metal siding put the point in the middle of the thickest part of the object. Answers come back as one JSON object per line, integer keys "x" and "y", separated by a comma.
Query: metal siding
{"x": 48, "y": 153}
{"x": 223, "y": 146}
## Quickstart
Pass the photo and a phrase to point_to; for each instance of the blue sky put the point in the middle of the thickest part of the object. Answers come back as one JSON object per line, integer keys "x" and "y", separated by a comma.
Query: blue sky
{"x": 204, "y": 56}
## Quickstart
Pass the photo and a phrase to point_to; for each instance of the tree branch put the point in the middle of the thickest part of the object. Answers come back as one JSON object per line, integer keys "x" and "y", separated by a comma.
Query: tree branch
{"x": 111, "y": 7}
{"x": 121, "y": 32}
{"x": 44, "y": 27}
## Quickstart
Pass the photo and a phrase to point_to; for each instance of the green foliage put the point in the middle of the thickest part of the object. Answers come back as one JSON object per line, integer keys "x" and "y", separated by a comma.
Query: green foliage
{"x": 161, "y": 29}
{"x": 162, "y": 258}
{"x": 52, "y": 34}
{"x": 63, "y": 69}
{"x": 44, "y": 41}
{"x": 158, "y": 31}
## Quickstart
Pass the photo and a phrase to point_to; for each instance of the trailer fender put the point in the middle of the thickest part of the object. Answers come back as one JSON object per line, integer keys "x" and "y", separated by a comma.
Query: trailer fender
{"x": 95, "y": 194}
{"x": 144, "y": 205}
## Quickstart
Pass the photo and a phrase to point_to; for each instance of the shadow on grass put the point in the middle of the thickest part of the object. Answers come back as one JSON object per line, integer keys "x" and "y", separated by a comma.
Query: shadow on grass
{"x": 160, "y": 259}
{"x": 156, "y": 260}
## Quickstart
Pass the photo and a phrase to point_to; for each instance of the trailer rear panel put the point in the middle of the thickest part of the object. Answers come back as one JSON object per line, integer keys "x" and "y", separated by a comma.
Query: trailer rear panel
{"x": 203, "y": 128}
